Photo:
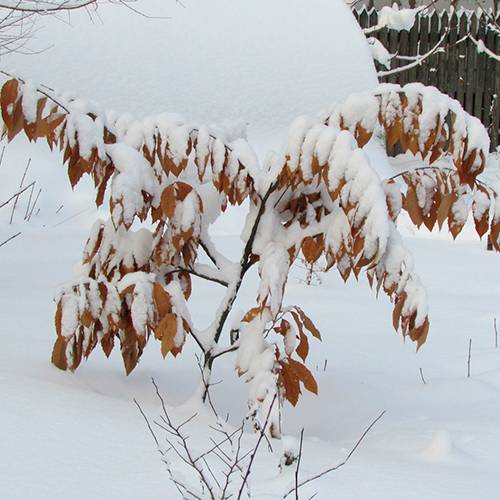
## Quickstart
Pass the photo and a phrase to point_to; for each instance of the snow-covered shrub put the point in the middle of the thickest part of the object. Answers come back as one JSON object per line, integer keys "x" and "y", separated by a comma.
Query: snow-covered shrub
{"x": 321, "y": 197}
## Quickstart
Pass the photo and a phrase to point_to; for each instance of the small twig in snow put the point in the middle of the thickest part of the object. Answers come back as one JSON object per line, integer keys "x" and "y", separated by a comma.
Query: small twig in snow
{"x": 29, "y": 201}
{"x": 422, "y": 376}
{"x": 17, "y": 194}
{"x": 254, "y": 451}
{"x": 496, "y": 332}
{"x": 468, "y": 359}
{"x": 341, "y": 464}
{"x": 34, "y": 204}
{"x": 9, "y": 239}
{"x": 20, "y": 186}
{"x": 298, "y": 465}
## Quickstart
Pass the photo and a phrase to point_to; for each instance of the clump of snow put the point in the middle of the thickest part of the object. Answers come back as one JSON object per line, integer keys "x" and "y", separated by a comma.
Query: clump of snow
{"x": 273, "y": 269}
{"x": 134, "y": 176}
{"x": 397, "y": 19}
{"x": 379, "y": 52}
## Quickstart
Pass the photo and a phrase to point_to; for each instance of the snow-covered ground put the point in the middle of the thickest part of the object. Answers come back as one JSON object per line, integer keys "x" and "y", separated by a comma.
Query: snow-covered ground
{"x": 80, "y": 435}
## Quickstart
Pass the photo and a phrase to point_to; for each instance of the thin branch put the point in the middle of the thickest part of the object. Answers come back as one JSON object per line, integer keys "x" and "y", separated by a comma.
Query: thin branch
{"x": 147, "y": 423}
{"x": 20, "y": 186}
{"x": 34, "y": 204}
{"x": 496, "y": 332}
{"x": 481, "y": 47}
{"x": 71, "y": 217}
{"x": 298, "y": 465}
{"x": 40, "y": 91}
{"x": 209, "y": 253}
{"x": 175, "y": 430}
{"x": 226, "y": 351}
{"x": 9, "y": 239}
{"x": 49, "y": 7}
{"x": 207, "y": 385}
{"x": 254, "y": 452}
{"x": 422, "y": 376}
{"x": 17, "y": 194}
{"x": 198, "y": 274}
{"x": 341, "y": 464}
{"x": 140, "y": 13}
{"x": 218, "y": 444}
{"x": 468, "y": 359}
{"x": 29, "y": 202}
{"x": 418, "y": 61}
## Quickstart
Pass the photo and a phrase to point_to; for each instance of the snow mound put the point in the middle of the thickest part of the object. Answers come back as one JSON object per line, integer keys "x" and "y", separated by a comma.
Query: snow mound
{"x": 259, "y": 62}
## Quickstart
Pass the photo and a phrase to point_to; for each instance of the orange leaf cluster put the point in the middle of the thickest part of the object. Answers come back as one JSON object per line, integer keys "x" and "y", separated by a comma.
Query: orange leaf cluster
{"x": 421, "y": 120}
{"x": 328, "y": 201}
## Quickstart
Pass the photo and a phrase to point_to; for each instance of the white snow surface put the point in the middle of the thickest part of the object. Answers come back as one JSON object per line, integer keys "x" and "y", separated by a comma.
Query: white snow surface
{"x": 259, "y": 62}
{"x": 80, "y": 435}
{"x": 437, "y": 441}
{"x": 57, "y": 427}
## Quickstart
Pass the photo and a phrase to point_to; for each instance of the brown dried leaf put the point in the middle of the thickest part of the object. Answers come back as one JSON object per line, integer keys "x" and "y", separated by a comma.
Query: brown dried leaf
{"x": 162, "y": 300}
{"x": 410, "y": 204}
{"x": 59, "y": 354}
{"x": 58, "y": 319}
{"x": 303, "y": 347}
{"x": 290, "y": 383}
{"x": 166, "y": 331}
{"x": 447, "y": 201}
{"x": 304, "y": 375}
{"x": 309, "y": 324}
{"x": 396, "y": 313}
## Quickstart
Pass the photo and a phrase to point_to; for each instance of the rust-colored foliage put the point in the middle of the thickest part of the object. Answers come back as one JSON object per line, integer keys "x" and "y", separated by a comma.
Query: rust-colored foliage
{"x": 127, "y": 296}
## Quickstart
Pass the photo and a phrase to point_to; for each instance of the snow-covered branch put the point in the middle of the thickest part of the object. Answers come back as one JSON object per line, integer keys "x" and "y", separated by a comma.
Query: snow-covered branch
{"x": 418, "y": 60}
{"x": 482, "y": 49}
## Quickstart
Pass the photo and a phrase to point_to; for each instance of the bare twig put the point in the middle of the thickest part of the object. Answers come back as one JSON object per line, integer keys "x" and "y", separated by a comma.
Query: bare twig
{"x": 20, "y": 186}
{"x": 341, "y": 464}
{"x": 46, "y": 7}
{"x": 9, "y": 239}
{"x": 198, "y": 274}
{"x": 299, "y": 457}
{"x": 72, "y": 217}
{"x": 254, "y": 451}
{"x": 147, "y": 423}
{"x": 17, "y": 194}
{"x": 187, "y": 456}
{"x": 468, "y": 359}
{"x": 422, "y": 376}
{"x": 34, "y": 204}
{"x": 29, "y": 201}
{"x": 496, "y": 332}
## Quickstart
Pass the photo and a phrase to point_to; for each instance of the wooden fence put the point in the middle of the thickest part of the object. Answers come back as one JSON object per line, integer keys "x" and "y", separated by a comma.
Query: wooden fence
{"x": 458, "y": 69}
